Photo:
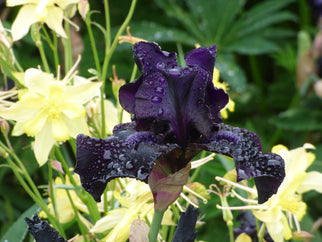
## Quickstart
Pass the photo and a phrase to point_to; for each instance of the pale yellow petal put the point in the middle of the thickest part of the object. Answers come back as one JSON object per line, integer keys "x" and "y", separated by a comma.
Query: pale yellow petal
{"x": 268, "y": 215}
{"x": 72, "y": 110}
{"x": 76, "y": 126}
{"x": 60, "y": 130}
{"x": 35, "y": 124}
{"x": 44, "y": 141}
{"x": 25, "y": 18}
{"x": 111, "y": 118}
{"x": 38, "y": 81}
{"x": 64, "y": 4}
{"x": 287, "y": 232}
{"x": 54, "y": 20}
{"x": 109, "y": 221}
{"x": 18, "y": 112}
{"x": 18, "y": 129}
{"x": 312, "y": 181}
{"x": 243, "y": 238}
{"x": 11, "y": 3}
{"x": 275, "y": 230}
{"x": 82, "y": 93}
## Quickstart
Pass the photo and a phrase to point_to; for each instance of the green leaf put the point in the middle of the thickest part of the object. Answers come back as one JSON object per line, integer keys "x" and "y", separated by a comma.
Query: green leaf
{"x": 300, "y": 119}
{"x": 252, "y": 45}
{"x": 18, "y": 230}
{"x": 231, "y": 72}
{"x": 151, "y": 31}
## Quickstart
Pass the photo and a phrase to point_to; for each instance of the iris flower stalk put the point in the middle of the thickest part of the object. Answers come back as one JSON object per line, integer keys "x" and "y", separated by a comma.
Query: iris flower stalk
{"x": 176, "y": 115}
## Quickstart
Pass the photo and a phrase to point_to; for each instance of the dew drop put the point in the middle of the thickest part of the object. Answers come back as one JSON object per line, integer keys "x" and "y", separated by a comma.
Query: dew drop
{"x": 151, "y": 83}
{"x": 122, "y": 157}
{"x": 162, "y": 80}
{"x": 156, "y": 99}
{"x": 159, "y": 90}
{"x": 129, "y": 165}
{"x": 160, "y": 112}
{"x": 160, "y": 65}
{"x": 107, "y": 155}
{"x": 175, "y": 72}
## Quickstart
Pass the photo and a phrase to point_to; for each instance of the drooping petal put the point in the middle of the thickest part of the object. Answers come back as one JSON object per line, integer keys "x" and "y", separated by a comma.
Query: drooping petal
{"x": 54, "y": 20}
{"x": 126, "y": 154}
{"x": 64, "y": 4}
{"x": 25, "y": 18}
{"x": 44, "y": 141}
{"x": 82, "y": 93}
{"x": 245, "y": 148}
{"x": 42, "y": 231}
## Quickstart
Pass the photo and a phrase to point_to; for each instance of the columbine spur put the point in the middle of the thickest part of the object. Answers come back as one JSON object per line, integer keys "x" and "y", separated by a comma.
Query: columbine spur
{"x": 176, "y": 115}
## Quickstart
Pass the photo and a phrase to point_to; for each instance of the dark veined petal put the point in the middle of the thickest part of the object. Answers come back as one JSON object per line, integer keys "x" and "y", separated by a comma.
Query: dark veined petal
{"x": 186, "y": 226}
{"x": 42, "y": 231}
{"x": 245, "y": 148}
{"x": 184, "y": 97}
{"x": 126, "y": 154}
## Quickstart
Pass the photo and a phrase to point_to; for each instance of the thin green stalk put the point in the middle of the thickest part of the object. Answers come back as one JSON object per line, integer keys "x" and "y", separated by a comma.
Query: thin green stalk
{"x": 107, "y": 24}
{"x": 231, "y": 232}
{"x": 36, "y": 199}
{"x": 55, "y": 51}
{"x": 52, "y": 190}
{"x": 68, "y": 48}
{"x": 43, "y": 56}
{"x": 93, "y": 44}
{"x": 135, "y": 68}
{"x": 155, "y": 225}
{"x": 261, "y": 233}
{"x": 109, "y": 52}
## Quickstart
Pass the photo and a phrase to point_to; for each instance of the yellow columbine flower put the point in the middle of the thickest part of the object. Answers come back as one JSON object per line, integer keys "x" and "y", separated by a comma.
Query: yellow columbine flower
{"x": 137, "y": 203}
{"x": 50, "y": 110}
{"x": 33, "y": 11}
{"x": 231, "y": 104}
{"x": 287, "y": 202}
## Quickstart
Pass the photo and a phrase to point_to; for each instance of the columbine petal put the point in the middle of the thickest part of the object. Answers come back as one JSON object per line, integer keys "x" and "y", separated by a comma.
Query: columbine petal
{"x": 25, "y": 18}
{"x": 54, "y": 20}
{"x": 60, "y": 130}
{"x": 35, "y": 124}
{"x": 38, "y": 81}
{"x": 76, "y": 126}
{"x": 64, "y": 4}
{"x": 82, "y": 93}
{"x": 44, "y": 141}
{"x": 72, "y": 110}
{"x": 312, "y": 181}
{"x": 126, "y": 154}
{"x": 18, "y": 111}
{"x": 245, "y": 148}
{"x": 11, "y": 3}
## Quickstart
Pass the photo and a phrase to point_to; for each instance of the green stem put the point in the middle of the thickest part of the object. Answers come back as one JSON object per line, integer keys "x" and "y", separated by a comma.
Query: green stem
{"x": 68, "y": 48}
{"x": 55, "y": 51}
{"x": 261, "y": 233}
{"x": 93, "y": 44}
{"x": 231, "y": 232}
{"x": 107, "y": 24}
{"x": 43, "y": 56}
{"x": 155, "y": 225}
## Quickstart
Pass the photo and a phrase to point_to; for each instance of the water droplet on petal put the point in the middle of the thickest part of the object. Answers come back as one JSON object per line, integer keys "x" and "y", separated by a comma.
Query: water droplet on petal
{"x": 122, "y": 157}
{"x": 129, "y": 165}
{"x": 160, "y": 112}
{"x": 159, "y": 90}
{"x": 160, "y": 65}
{"x": 107, "y": 155}
{"x": 151, "y": 83}
{"x": 156, "y": 99}
{"x": 175, "y": 72}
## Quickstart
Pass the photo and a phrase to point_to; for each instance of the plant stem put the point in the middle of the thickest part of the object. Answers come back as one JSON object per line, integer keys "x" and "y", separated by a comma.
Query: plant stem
{"x": 43, "y": 56}
{"x": 155, "y": 225}
{"x": 231, "y": 232}
{"x": 93, "y": 44}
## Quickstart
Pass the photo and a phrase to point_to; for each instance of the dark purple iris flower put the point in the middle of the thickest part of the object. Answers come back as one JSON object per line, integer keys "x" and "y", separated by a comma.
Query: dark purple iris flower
{"x": 176, "y": 115}
{"x": 316, "y": 6}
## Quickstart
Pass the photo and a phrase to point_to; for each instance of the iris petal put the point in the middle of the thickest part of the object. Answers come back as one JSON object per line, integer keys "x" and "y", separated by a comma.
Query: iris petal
{"x": 245, "y": 148}
{"x": 126, "y": 154}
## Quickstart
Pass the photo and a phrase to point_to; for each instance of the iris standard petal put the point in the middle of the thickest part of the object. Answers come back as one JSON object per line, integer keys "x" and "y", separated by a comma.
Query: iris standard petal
{"x": 126, "y": 154}
{"x": 25, "y": 18}
{"x": 245, "y": 148}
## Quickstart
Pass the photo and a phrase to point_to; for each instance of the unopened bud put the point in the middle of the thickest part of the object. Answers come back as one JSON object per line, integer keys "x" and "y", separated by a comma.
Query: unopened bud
{"x": 5, "y": 127}
{"x": 57, "y": 166}
{"x": 3, "y": 153}
{"x": 302, "y": 235}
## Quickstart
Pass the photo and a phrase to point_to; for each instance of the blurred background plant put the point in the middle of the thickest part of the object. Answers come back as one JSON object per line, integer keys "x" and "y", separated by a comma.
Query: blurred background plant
{"x": 269, "y": 52}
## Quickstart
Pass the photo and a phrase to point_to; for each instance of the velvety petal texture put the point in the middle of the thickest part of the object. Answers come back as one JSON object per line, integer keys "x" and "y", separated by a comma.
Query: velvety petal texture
{"x": 176, "y": 114}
